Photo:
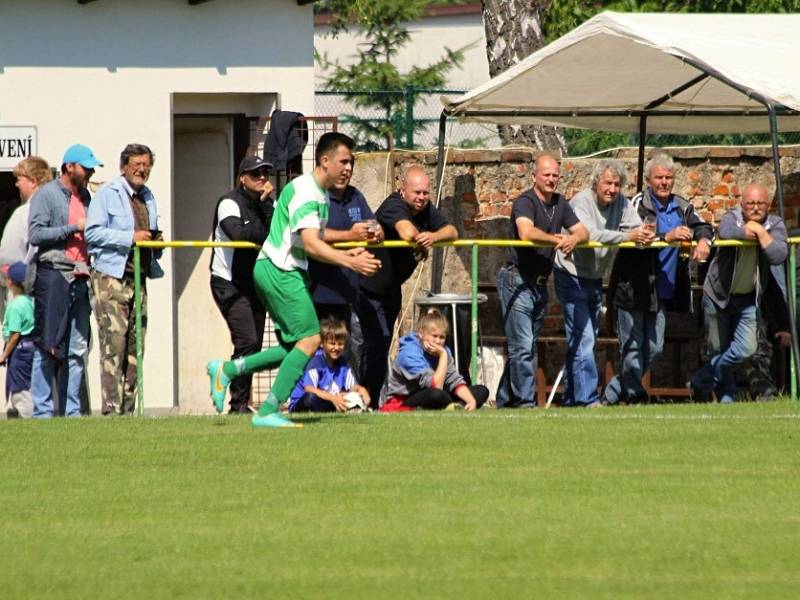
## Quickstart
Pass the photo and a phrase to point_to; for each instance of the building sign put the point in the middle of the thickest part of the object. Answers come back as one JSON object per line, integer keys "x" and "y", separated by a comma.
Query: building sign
{"x": 16, "y": 143}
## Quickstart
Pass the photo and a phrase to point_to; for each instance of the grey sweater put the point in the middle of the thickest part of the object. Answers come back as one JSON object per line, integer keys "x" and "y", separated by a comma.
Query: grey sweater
{"x": 608, "y": 224}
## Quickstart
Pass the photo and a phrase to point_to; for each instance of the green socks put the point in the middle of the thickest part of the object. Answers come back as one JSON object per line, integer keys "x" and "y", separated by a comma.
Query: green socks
{"x": 289, "y": 374}
{"x": 261, "y": 361}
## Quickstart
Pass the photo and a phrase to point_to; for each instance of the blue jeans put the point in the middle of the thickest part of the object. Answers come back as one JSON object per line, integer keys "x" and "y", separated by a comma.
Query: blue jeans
{"x": 44, "y": 365}
{"x": 523, "y": 305}
{"x": 732, "y": 338}
{"x": 580, "y": 298}
{"x": 641, "y": 341}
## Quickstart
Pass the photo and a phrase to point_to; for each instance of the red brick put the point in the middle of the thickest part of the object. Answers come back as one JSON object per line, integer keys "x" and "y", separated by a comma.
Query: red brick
{"x": 721, "y": 190}
{"x": 514, "y": 156}
{"x": 728, "y": 177}
{"x": 696, "y": 191}
{"x": 694, "y": 176}
{"x": 714, "y": 205}
{"x": 724, "y": 152}
{"x": 735, "y": 191}
{"x": 470, "y": 197}
{"x": 498, "y": 197}
{"x": 707, "y": 215}
{"x": 569, "y": 167}
{"x": 505, "y": 210}
{"x": 730, "y": 203}
{"x": 522, "y": 169}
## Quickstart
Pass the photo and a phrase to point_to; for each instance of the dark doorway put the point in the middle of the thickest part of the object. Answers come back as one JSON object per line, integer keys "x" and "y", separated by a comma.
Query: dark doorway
{"x": 9, "y": 198}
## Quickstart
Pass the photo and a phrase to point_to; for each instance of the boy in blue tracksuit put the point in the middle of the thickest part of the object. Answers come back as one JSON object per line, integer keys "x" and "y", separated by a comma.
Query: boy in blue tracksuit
{"x": 328, "y": 383}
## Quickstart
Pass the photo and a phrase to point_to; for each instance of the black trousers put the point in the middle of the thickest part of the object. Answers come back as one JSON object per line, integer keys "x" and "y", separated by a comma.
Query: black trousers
{"x": 377, "y": 314}
{"x": 245, "y": 317}
{"x": 436, "y": 399}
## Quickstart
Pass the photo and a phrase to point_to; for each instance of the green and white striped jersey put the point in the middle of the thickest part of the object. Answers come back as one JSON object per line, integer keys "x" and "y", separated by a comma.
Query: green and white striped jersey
{"x": 301, "y": 205}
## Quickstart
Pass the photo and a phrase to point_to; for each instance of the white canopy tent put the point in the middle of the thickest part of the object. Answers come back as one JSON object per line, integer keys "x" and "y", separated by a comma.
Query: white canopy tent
{"x": 672, "y": 68}
{"x": 651, "y": 73}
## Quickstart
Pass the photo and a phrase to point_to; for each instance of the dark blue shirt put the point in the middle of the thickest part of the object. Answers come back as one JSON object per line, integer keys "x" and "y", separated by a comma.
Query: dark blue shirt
{"x": 331, "y": 284}
{"x": 668, "y": 218}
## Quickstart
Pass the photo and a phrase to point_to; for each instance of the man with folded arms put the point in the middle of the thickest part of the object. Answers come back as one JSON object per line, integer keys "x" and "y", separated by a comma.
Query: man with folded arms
{"x": 736, "y": 280}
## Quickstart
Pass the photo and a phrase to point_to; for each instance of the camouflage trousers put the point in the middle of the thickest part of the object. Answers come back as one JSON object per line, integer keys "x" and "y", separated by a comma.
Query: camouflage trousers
{"x": 756, "y": 371}
{"x": 113, "y": 307}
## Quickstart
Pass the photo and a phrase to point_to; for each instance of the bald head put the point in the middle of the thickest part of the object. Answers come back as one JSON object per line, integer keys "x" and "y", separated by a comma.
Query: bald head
{"x": 546, "y": 172}
{"x": 415, "y": 188}
{"x": 756, "y": 201}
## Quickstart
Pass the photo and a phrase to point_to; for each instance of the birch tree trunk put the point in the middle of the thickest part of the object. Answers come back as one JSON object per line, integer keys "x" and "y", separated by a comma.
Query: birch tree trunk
{"x": 513, "y": 31}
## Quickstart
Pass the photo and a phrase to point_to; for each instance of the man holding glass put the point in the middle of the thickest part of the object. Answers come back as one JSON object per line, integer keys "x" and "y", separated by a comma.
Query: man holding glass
{"x": 610, "y": 218}
{"x": 646, "y": 283}
{"x": 334, "y": 289}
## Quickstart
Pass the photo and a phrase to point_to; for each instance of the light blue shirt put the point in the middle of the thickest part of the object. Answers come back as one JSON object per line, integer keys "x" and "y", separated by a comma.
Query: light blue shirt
{"x": 110, "y": 227}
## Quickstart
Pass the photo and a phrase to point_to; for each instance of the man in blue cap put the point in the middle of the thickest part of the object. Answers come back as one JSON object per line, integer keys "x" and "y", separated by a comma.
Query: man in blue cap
{"x": 61, "y": 289}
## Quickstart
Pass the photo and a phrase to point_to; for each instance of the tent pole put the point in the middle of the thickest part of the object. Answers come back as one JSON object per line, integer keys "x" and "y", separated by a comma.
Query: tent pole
{"x": 437, "y": 260}
{"x": 640, "y": 163}
{"x": 776, "y": 159}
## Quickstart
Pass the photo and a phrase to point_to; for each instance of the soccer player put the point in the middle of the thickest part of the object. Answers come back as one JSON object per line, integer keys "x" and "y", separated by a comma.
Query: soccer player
{"x": 281, "y": 278}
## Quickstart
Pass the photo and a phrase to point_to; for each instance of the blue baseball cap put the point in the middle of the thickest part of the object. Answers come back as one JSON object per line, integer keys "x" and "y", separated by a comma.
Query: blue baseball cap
{"x": 16, "y": 272}
{"x": 83, "y": 155}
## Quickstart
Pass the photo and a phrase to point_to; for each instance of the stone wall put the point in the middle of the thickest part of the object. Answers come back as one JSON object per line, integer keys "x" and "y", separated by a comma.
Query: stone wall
{"x": 479, "y": 187}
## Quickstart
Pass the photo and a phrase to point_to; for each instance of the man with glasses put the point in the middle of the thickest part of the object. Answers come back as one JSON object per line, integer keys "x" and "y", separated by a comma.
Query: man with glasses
{"x": 61, "y": 289}
{"x": 242, "y": 215}
{"x": 733, "y": 289}
{"x": 122, "y": 213}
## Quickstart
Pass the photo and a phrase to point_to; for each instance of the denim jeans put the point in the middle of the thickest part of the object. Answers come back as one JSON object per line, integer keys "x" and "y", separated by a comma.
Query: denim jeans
{"x": 732, "y": 338}
{"x": 580, "y": 298}
{"x": 44, "y": 365}
{"x": 641, "y": 341}
{"x": 523, "y": 305}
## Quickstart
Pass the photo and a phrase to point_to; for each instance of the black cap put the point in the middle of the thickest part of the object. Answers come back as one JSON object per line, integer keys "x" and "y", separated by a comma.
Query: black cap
{"x": 253, "y": 163}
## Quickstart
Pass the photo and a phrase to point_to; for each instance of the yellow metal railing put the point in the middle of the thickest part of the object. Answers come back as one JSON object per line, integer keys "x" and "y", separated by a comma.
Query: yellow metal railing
{"x": 474, "y": 245}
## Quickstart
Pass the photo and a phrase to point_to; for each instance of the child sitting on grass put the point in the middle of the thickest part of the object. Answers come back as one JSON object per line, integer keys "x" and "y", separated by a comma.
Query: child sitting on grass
{"x": 328, "y": 383}
{"x": 18, "y": 351}
{"x": 424, "y": 373}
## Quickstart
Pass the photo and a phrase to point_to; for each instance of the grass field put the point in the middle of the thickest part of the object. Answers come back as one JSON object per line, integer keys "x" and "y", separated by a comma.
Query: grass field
{"x": 684, "y": 501}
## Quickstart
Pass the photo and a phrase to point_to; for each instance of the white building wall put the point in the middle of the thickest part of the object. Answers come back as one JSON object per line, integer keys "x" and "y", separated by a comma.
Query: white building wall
{"x": 430, "y": 36}
{"x": 104, "y": 74}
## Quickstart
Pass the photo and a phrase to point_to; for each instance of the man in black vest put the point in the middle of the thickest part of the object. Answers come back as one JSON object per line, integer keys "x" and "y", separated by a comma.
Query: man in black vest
{"x": 242, "y": 215}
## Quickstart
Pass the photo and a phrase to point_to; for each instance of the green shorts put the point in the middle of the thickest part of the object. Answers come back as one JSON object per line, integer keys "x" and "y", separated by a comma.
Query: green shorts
{"x": 286, "y": 298}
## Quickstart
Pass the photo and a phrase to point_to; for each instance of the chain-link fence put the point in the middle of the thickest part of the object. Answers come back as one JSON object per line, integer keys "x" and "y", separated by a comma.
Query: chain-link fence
{"x": 406, "y": 118}
{"x": 409, "y": 119}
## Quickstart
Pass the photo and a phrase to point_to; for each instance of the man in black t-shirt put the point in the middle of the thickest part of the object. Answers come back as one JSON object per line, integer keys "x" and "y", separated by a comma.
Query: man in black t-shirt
{"x": 405, "y": 215}
{"x": 538, "y": 215}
